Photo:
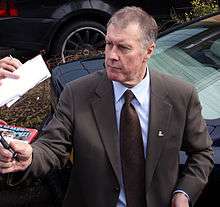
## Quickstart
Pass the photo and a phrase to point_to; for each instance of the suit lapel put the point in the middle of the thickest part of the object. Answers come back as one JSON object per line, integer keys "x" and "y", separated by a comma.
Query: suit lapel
{"x": 159, "y": 120}
{"x": 104, "y": 112}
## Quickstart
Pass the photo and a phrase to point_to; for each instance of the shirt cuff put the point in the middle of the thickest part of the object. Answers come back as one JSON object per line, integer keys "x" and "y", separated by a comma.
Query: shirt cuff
{"x": 181, "y": 191}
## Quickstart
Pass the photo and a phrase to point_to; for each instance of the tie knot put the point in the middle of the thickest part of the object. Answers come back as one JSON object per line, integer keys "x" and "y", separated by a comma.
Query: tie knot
{"x": 128, "y": 96}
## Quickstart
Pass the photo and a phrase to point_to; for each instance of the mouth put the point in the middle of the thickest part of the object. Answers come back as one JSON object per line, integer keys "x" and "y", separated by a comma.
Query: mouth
{"x": 113, "y": 67}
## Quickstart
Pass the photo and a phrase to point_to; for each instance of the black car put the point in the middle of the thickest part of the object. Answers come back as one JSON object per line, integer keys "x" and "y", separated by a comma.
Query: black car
{"x": 64, "y": 27}
{"x": 190, "y": 52}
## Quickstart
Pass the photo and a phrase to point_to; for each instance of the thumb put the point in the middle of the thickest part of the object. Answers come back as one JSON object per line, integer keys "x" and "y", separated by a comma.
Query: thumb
{"x": 22, "y": 148}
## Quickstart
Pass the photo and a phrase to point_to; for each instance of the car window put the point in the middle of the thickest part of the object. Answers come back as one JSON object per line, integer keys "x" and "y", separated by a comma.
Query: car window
{"x": 193, "y": 54}
{"x": 167, "y": 41}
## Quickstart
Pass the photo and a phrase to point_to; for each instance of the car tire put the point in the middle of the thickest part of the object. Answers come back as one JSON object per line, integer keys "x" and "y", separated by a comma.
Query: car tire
{"x": 82, "y": 36}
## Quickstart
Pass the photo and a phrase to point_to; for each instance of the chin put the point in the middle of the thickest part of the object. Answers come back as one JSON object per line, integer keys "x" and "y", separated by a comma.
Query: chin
{"x": 112, "y": 75}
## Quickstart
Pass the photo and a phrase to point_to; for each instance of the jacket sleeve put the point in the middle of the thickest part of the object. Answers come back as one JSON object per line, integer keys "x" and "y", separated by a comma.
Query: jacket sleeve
{"x": 197, "y": 145}
{"x": 51, "y": 151}
{"x": 53, "y": 148}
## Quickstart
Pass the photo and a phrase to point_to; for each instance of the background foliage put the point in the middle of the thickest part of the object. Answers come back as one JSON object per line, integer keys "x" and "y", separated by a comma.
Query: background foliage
{"x": 199, "y": 8}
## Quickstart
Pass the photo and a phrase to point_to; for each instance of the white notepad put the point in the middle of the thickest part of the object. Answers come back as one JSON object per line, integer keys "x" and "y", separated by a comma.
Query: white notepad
{"x": 31, "y": 73}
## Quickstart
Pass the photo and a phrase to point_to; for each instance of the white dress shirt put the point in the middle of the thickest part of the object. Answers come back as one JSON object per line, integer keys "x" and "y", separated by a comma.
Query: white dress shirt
{"x": 141, "y": 102}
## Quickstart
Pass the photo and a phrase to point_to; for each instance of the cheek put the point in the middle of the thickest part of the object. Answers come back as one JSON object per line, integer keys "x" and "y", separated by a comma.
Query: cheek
{"x": 132, "y": 64}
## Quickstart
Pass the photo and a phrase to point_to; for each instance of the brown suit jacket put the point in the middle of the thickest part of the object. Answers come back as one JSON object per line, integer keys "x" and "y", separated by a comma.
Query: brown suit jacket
{"x": 85, "y": 120}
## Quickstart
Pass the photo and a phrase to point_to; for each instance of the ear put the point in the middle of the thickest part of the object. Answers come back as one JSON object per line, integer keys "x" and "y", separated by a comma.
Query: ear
{"x": 149, "y": 50}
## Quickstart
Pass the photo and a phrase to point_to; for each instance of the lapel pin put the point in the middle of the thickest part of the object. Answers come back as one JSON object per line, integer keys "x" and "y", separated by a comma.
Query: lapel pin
{"x": 160, "y": 133}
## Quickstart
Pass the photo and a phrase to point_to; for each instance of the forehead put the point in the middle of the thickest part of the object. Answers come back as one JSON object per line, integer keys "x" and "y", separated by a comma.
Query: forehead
{"x": 117, "y": 33}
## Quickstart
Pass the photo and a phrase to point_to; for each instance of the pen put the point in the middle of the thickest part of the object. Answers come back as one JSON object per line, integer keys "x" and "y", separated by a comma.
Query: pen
{"x": 11, "y": 57}
{"x": 8, "y": 147}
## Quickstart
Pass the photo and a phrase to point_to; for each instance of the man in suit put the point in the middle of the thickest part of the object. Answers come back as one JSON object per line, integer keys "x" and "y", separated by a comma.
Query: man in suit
{"x": 89, "y": 120}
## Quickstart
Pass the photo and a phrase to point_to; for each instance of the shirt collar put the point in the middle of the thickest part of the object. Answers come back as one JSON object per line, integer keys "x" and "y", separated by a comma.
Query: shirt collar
{"x": 137, "y": 90}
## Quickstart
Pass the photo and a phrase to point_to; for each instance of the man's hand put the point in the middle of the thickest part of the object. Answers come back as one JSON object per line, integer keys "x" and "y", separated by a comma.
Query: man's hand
{"x": 180, "y": 200}
{"x": 7, "y": 66}
{"x": 9, "y": 164}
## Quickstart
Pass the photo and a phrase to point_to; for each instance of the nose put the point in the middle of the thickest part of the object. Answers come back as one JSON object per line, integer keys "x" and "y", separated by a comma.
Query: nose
{"x": 113, "y": 53}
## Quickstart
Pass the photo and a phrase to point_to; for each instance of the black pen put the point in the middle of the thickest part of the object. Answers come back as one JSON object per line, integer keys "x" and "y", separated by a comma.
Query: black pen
{"x": 8, "y": 147}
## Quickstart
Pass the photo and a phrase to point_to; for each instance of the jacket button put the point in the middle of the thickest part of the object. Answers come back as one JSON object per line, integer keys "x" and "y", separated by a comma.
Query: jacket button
{"x": 116, "y": 189}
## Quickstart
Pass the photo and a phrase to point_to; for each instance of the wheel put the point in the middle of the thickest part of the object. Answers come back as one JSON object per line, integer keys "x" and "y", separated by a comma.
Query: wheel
{"x": 82, "y": 36}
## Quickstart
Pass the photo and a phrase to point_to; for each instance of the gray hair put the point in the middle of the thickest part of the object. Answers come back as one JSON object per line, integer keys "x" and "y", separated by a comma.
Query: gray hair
{"x": 132, "y": 14}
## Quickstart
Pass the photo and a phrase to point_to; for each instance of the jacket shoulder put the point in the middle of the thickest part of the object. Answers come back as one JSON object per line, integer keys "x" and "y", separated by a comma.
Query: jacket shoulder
{"x": 88, "y": 82}
{"x": 171, "y": 82}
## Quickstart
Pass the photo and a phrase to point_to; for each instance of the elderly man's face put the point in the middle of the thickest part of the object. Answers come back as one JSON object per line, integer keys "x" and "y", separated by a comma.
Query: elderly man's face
{"x": 125, "y": 57}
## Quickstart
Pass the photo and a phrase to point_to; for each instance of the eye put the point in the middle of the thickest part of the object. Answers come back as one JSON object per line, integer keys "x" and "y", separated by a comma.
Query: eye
{"x": 124, "y": 48}
{"x": 108, "y": 43}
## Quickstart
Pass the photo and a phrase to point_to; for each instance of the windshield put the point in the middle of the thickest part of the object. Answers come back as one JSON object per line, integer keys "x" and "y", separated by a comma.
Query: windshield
{"x": 192, "y": 53}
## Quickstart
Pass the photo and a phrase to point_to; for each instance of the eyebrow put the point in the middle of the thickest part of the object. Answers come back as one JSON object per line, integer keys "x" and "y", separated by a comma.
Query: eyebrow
{"x": 120, "y": 42}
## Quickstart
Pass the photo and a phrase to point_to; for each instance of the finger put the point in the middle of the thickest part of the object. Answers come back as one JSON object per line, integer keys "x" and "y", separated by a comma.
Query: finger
{"x": 5, "y": 154}
{"x": 7, "y": 74}
{"x": 4, "y": 159}
{"x": 12, "y": 167}
{"x": 5, "y": 165}
{"x": 10, "y": 63}
{"x": 8, "y": 66}
{"x": 4, "y": 60}
{"x": 5, "y": 63}
{"x": 15, "y": 166}
{"x": 23, "y": 149}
